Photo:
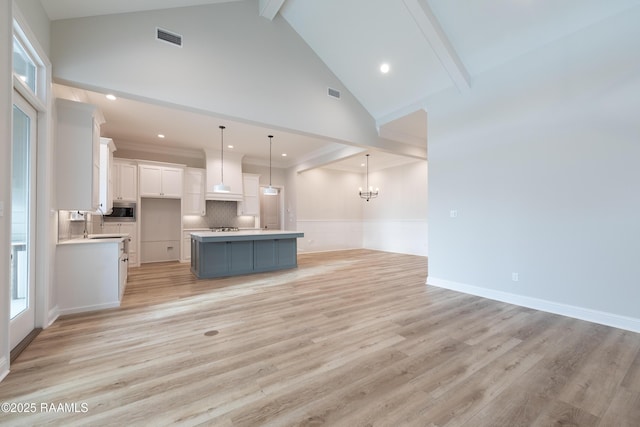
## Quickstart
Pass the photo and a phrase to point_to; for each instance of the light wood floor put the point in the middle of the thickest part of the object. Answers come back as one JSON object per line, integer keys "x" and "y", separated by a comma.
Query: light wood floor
{"x": 352, "y": 338}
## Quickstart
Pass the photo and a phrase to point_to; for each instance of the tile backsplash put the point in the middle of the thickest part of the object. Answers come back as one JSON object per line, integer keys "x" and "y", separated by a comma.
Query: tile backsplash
{"x": 219, "y": 214}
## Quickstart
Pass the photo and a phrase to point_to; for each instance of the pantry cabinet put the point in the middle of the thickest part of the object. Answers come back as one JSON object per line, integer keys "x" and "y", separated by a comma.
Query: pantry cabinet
{"x": 193, "y": 201}
{"x": 250, "y": 204}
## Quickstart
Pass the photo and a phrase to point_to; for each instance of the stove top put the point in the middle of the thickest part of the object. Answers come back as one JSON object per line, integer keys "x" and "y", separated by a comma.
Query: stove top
{"x": 221, "y": 229}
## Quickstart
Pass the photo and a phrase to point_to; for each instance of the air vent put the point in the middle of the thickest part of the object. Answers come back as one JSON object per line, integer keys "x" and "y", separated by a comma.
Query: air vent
{"x": 333, "y": 92}
{"x": 169, "y": 37}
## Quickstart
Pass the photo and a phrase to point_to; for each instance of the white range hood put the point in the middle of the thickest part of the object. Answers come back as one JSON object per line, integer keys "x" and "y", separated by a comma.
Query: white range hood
{"x": 232, "y": 175}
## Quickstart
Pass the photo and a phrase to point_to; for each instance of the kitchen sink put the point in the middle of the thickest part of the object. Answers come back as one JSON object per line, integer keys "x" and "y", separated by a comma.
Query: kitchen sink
{"x": 107, "y": 236}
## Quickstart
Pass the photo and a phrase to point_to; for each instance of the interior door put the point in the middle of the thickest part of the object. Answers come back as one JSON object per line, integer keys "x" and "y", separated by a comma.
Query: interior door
{"x": 269, "y": 211}
{"x": 23, "y": 210}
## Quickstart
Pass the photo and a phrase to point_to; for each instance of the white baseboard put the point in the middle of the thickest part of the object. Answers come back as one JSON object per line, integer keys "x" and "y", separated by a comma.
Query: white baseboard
{"x": 53, "y": 315}
{"x": 94, "y": 307}
{"x": 595, "y": 316}
{"x": 4, "y": 368}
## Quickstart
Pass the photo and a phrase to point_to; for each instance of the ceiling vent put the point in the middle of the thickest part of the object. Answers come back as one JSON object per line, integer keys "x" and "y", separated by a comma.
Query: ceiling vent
{"x": 169, "y": 37}
{"x": 335, "y": 93}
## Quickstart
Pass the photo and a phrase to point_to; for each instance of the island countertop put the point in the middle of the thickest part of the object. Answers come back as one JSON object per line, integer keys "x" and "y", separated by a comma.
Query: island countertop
{"x": 243, "y": 235}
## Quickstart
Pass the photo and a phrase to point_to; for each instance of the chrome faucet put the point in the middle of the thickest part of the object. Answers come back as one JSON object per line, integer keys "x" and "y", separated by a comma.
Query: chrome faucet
{"x": 101, "y": 218}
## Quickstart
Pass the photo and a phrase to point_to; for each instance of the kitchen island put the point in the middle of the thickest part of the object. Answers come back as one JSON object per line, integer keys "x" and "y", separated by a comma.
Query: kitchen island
{"x": 222, "y": 254}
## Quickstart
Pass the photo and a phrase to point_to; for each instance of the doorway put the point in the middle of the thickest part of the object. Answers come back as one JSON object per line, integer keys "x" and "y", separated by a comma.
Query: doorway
{"x": 270, "y": 210}
{"x": 22, "y": 314}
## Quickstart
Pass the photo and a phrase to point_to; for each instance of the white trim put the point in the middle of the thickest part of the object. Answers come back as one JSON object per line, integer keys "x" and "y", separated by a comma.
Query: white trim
{"x": 93, "y": 307}
{"x": 54, "y": 313}
{"x": 595, "y": 316}
{"x": 4, "y": 368}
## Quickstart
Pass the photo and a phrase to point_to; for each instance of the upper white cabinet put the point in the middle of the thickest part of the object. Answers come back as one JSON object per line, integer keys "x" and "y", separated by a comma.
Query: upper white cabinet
{"x": 158, "y": 180}
{"x": 106, "y": 178}
{"x": 77, "y": 156}
{"x": 193, "y": 201}
{"x": 232, "y": 168}
{"x": 125, "y": 181}
{"x": 250, "y": 204}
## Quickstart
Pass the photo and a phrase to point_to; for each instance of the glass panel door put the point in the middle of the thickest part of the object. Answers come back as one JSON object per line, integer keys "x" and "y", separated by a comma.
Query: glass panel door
{"x": 22, "y": 220}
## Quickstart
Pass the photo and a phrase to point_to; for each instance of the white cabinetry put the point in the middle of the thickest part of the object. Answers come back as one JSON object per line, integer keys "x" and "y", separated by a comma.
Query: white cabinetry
{"x": 91, "y": 275}
{"x": 186, "y": 245}
{"x": 193, "y": 200}
{"x": 125, "y": 181}
{"x": 232, "y": 175}
{"x": 77, "y": 156}
{"x": 250, "y": 204}
{"x": 160, "y": 181}
{"x": 129, "y": 228}
{"x": 106, "y": 177}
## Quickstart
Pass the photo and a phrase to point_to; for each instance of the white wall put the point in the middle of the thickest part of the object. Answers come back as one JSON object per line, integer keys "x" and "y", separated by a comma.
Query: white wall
{"x": 6, "y": 48}
{"x": 540, "y": 161}
{"x": 396, "y": 221}
{"x": 39, "y": 24}
{"x": 329, "y": 211}
{"x": 233, "y": 63}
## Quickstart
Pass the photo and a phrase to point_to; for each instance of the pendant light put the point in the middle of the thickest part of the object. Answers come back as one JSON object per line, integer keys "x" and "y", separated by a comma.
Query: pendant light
{"x": 270, "y": 191}
{"x": 369, "y": 194}
{"x": 221, "y": 188}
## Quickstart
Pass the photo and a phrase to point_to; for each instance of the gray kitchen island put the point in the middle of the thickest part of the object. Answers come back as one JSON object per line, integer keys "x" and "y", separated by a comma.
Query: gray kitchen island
{"x": 222, "y": 254}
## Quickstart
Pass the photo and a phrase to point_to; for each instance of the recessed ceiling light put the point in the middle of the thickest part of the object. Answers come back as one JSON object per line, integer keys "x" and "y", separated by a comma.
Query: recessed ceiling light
{"x": 284, "y": 154}
{"x": 384, "y": 68}
{"x": 111, "y": 97}
{"x": 362, "y": 164}
{"x": 160, "y": 136}
{"x": 229, "y": 146}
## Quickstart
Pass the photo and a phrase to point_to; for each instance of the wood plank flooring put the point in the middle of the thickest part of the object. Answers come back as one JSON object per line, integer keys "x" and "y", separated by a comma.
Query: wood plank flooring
{"x": 349, "y": 338}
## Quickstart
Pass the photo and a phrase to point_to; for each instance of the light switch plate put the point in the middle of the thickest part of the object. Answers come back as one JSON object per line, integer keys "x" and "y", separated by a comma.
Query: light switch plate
{"x": 1, "y": 208}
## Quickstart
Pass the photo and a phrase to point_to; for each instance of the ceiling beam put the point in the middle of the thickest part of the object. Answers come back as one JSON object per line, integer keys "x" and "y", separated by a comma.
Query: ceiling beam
{"x": 436, "y": 37}
{"x": 328, "y": 158}
{"x": 270, "y": 8}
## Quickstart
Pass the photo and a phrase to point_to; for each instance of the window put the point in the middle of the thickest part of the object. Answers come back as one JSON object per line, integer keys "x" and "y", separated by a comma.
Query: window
{"x": 24, "y": 66}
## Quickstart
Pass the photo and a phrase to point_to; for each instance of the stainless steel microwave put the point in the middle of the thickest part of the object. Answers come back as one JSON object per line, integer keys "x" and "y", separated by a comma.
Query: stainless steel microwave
{"x": 122, "y": 212}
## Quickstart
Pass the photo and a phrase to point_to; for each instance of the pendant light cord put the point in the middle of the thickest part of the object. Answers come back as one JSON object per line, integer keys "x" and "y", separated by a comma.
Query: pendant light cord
{"x": 270, "y": 136}
{"x": 222, "y": 153}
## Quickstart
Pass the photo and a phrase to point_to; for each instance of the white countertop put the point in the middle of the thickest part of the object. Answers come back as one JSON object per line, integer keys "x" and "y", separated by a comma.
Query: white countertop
{"x": 106, "y": 238}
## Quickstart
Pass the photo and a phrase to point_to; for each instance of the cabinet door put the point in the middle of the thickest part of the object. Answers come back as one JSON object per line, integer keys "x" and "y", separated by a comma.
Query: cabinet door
{"x": 127, "y": 180}
{"x": 95, "y": 200}
{"x": 250, "y": 204}
{"x": 77, "y": 157}
{"x": 150, "y": 181}
{"x": 193, "y": 199}
{"x": 171, "y": 183}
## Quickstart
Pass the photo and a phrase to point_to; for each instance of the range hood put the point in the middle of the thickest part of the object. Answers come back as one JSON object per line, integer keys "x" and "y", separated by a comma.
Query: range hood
{"x": 232, "y": 175}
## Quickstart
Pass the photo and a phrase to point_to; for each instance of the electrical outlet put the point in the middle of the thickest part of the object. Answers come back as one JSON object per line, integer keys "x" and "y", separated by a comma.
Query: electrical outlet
{"x": 515, "y": 277}
{"x": 453, "y": 213}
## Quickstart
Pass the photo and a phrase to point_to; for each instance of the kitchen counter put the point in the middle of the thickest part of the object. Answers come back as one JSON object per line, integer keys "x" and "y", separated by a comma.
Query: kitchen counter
{"x": 221, "y": 254}
{"x": 103, "y": 238}
{"x": 230, "y": 236}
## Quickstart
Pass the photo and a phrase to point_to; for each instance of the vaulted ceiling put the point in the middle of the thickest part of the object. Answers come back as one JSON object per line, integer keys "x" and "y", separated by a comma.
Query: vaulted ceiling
{"x": 430, "y": 46}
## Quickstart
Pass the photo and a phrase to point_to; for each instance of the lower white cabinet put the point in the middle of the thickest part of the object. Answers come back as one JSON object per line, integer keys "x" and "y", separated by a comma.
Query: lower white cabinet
{"x": 186, "y": 246}
{"x": 129, "y": 228}
{"x": 90, "y": 275}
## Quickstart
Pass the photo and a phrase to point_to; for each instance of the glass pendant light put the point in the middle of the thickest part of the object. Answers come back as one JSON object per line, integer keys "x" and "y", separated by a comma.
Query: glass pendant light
{"x": 221, "y": 188}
